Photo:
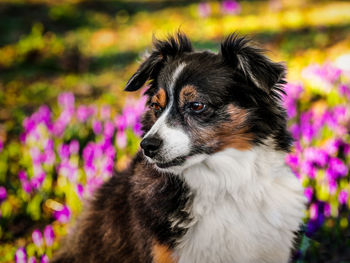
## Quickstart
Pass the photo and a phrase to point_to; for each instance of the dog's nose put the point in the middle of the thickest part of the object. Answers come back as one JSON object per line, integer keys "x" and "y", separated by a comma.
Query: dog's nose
{"x": 151, "y": 146}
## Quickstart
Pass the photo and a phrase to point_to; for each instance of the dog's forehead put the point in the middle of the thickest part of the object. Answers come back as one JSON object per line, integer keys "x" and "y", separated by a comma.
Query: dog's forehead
{"x": 203, "y": 71}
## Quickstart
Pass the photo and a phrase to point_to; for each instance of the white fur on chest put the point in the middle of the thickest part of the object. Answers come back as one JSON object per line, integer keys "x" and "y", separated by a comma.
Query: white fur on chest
{"x": 246, "y": 207}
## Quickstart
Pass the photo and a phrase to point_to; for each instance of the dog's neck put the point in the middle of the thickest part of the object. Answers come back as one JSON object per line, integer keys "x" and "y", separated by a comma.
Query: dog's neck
{"x": 242, "y": 199}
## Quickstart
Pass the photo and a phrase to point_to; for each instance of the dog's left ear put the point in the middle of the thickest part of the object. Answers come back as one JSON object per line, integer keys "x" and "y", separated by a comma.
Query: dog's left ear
{"x": 163, "y": 51}
{"x": 257, "y": 68}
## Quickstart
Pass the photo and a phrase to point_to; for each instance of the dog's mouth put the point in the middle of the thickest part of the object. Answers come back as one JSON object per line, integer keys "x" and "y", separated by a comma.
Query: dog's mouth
{"x": 175, "y": 162}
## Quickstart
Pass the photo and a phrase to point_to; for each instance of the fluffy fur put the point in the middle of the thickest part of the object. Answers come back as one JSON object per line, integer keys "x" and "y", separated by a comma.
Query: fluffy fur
{"x": 210, "y": 184}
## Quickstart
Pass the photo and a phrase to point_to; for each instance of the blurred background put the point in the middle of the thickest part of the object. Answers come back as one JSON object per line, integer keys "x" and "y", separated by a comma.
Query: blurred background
{"x": 66, "y": 124}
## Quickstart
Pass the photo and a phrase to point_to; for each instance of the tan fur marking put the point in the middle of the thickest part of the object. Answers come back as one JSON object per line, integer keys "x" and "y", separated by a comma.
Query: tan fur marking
{"x": 160, "y": 98}
{"x": 187, "y": 94}
{"x": 161, "y": 254}
{"x": 229, "y": 134}
{"x": 234, "y": 134}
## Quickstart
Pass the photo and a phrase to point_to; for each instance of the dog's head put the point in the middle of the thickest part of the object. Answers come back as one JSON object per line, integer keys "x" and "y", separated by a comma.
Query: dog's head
{"x": 201, "y": 102}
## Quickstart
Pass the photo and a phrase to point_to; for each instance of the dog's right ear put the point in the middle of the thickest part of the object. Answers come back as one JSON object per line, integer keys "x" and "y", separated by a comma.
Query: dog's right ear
{"x": 163, "y": 50}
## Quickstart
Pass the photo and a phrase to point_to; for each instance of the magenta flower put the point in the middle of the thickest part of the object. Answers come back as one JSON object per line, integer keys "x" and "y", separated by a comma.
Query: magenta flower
{"x": 108, "y": 130}
{"x": 3, "y": 194}
{"x": 32, "y": 260}
{"x": 204, "y": 9}
{"x": 73, "y": 147}
{"x": 308, "y": 169}
{"x": 49, "y": 235}
{"x": 327, "y": 210}
{"x": 345, "y": 91}
{"x": 66, "y": 100}
{"x": 336, "y": 168}
{"x": 63, "y": 151}
{"x": 332, "y": 186}
{"x": 44, "y": 259}
{"x": 293, "y": 90}
{"x": 308, "y": 192}
{"x": 230, "y": 7}
{"x": 105, "y": 112}
{"x": 343, "y": 197}
{"x": 37, "y": 238}
{"x": 37, "y": 180}
{"x": 62, "y": 215}
{"x": 315, "y": 155}
{"x": 326, "y": 72}
{"x": 121, "y": 139}
{"x": 295, "y": 130}
{"x": 313, "y": 211}
{"x": 21, "y": 255}
{"x": 96, "y": 126}
{"x": 131, "y": 116}
{"x": 80, "y": 190}
{"x": 83, "y": 113}
{"x": 120, "y": 122}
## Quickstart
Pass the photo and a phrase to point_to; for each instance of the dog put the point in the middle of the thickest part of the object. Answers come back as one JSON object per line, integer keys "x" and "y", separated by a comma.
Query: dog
{"x": 209, "y": 184}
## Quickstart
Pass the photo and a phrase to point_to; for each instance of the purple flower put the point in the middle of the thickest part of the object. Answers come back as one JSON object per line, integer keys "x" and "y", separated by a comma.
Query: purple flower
{"x": 28, "y": 124}
{"x": 308, "y": 169}
{"x": 49, "y": 235}
{"x": 324, "y": 73}
{"x": 345, "y": 91}
{"x": 137, "y": 129}
{"x": 37, "y": 180}
{"x": 84, "y": 112}
{"x": 21, "y": 255}
{"x": 308, "y": 192}
{"x": 66, "y": 100}
{"x": 121, "y": 139}
{"x": 295, "y": 130}
{"x": 293, "y": 90}
{"x": 332, "y": 186}
{"x": 1, "y": 145}
{"x": 230, "y": 7}
{"x": 22, "y": 175}
{"x": 63, "y": 151}
{"x": 105, "y": 112}
{"x": 62, "y": 215}
{"x": 343, "y": 197}
{"x": 37, "y": 238}
{"x": 96, "y": 127}
{"x": 315, "y": 155}
{"x": 313, "y": 211}
{"x": 32, "y": 260}
{"x": 120, "y": 122}
{"x": 3, "y": 194}
{"x": 80, "y": 190}
{"x": 108, "y": 130}
{"x": 74, "y": 147}
{"x": 327, "y": 210}
{"x": 131, "y": 116}
{"x": 42, "y": 115}
{"x": 44, "y": 259}
{"x": 204, "y": 9}
{"x": 336, "y": 168}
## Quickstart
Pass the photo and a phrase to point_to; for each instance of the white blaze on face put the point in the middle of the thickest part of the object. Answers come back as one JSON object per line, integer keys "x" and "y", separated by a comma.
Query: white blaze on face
{"x": 176, "y": 142}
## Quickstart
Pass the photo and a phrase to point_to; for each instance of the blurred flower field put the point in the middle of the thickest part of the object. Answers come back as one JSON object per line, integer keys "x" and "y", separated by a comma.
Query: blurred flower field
{"x": 66, "y": 125}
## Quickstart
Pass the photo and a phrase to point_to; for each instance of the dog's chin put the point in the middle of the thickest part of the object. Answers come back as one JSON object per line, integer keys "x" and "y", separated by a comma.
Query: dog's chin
{"x": 178, "y": 164}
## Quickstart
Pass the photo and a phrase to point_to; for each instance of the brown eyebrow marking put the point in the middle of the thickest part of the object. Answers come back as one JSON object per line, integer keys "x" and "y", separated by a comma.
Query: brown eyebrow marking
{"x": 187, "y": 93}
{"x": 160, "y": 98}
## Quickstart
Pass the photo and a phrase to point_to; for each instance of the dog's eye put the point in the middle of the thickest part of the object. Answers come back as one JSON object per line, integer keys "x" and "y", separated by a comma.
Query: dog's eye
{"x": 197, "y": 107}
{"x": 155, "y": 106}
